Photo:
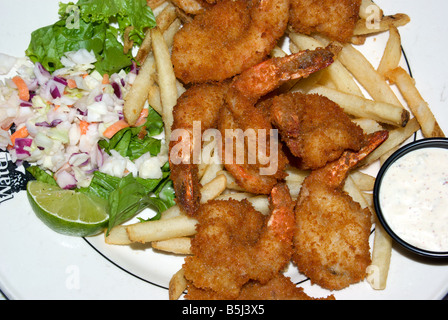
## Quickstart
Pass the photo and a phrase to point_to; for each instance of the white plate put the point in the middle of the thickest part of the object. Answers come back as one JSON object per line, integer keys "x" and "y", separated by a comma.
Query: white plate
{"x": 37, "y": 263}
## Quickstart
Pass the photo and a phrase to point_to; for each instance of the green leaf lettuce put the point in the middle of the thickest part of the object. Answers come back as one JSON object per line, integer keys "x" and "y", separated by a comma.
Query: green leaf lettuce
{"x": 95, "y": 25}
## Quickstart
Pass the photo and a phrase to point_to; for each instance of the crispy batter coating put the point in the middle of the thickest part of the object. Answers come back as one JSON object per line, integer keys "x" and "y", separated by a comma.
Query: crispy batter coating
{"x": 278, "y": 288}
{"x": 333, "y": 18}
{"x": 235, "y": 243}
{"x": 228, "y": 38}
{"x": 248, "y": 173}
{"x": 314, "y": 128}
{"x": 331, "y": 242}
{"x": 199, "y": 103}
{"x": 240, "y": 112}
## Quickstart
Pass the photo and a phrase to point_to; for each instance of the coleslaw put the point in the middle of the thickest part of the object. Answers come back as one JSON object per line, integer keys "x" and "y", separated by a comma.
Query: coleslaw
{"x": 68, "y": 113}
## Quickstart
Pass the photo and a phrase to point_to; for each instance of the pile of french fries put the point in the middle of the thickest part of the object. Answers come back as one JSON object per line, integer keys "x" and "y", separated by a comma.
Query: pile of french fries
{"x": 342, "y": 82}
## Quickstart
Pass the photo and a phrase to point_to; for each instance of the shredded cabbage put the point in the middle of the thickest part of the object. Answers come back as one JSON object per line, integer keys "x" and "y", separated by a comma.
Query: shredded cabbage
{"x": 65, "y": 118}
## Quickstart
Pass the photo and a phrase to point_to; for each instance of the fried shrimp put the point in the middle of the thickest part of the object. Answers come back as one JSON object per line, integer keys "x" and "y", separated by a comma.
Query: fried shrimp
{"x": 334, "y": 19}
{"x": 230, "y": 105}
{"x": 235, "y": 243}
{"x": 230, "y": 37}
{"x": 240, "y": 112}
{"x": 278, "y": 288}
{"x": 314, "y": 128}
{"x": 199, "y": 103}
{"x": 331, "y": 241}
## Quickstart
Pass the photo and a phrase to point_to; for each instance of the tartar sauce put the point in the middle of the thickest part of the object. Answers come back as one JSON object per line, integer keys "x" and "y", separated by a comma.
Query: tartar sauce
{"x": 414, "y": 198}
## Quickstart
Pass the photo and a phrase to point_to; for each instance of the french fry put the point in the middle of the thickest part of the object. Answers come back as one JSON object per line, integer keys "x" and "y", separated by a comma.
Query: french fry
{"x": 367, "y": 76}
{"x": 153, "y": 4}
{"x": 352, "y": 189}
{"x": 365, "y": 27}
{"x": 144, "y": 232}
{"x": 231, "y": 182}
{"x": 211, "y": 172}
{"x": 144, "y": 49}
{"x": 363, "y": 181}
{"x": 166, "y": 17}
{"x": 164, "y": 20}
{"x": 368, "y": 125}
{"x": 396, "y": 138}
{"x": 165, "y": 78}
{"x": 260, "y": 203}
{"x": 169, "y": 33}
{"x": 392, "y": 53}
{"x": 127, "y": 42}
{"x": 137, "y": 96}
{"x": 235, "y": 196}
{"x": 180, "y": 245}
{"x": 154, "y": 98}
{"x": 118, "y": 236}
{"x": 177, "y": 226}
{"x": 381, "y": 254}
{"x": 382, "y": 249}
{"x": 367, "y": 8}
{"x": 189, "y": 6}
{"x": 418, "y": 106}
{"x": 365, "y": 108}
{"x": 336, "y": 72}
{"x": 213, "y": 188}
{"x": 177, "y": 285}
{"x": 294, "y": 180}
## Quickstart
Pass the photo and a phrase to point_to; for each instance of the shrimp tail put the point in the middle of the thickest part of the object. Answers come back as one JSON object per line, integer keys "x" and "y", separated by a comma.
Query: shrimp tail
{"x": 338, "y": 171}
{"x": 270, "y": 74}
{"x": 281, "y": 222}
{"x": 187, "y": 187}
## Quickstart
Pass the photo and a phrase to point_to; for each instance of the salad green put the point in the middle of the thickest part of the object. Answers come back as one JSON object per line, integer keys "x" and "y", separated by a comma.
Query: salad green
{"x": 77, "y": 76}
{"x": 94, "y": 25}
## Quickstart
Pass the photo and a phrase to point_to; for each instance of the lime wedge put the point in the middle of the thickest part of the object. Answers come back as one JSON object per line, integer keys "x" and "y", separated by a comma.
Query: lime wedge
{"x": 66, "y": 211}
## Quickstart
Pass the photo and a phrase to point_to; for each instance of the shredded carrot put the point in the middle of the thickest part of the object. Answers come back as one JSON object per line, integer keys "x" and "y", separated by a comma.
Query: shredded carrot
{"x": 71, "y": 83}
{"x": 142, "y": 118}
{"x": 24, "y": 93}
{"x": 114, "y": 128}
{"x": 85, "y": 75}
{"x": 56, "y": 107}
{"x": 84, "y": 126}
{"x": 20, "y": 133}
{"x": 142, "y": 133}
{"x": 105, "y": 78}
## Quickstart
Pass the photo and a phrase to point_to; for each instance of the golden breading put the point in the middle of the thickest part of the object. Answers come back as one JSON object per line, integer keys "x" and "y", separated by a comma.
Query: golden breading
{"x": 278, "y": 288}
{"x": 236, "y": 244}
{"x": 314, "y": 128}
{"x": 228, "y": 38}
{"x": 333, "y": 18}
{"x": 331, "y": 242}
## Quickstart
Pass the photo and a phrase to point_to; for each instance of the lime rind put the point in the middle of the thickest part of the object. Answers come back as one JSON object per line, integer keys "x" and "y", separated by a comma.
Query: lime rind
{"x": 66, "y": 211}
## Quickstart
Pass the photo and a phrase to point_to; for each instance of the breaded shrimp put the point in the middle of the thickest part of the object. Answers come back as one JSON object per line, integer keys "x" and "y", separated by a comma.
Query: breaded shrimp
{"x": 192, "y": 6}
{"x": 230, "y": 37}
{"x": 331, "y": 241}
{"x": 334, "y": 19}
{"x": 235, "y": 243}
{"x": 240, "y": 111}
{"x": 278, "y": 288}
{"x": 314, "y": 128}
{"x": 199, "y": 103}
{"x": 232, "y": 106}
